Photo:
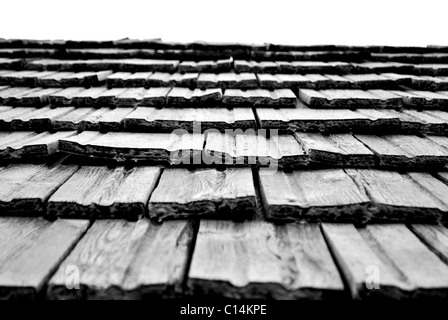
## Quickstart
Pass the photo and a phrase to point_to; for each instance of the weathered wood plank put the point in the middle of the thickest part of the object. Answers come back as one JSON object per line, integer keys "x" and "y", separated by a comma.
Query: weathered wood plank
{"x": 26, "y": 144}
{"x": 259, "y": 98}
{"x": 181, "y": 193}
{"x": 435, "y": 237}
{"x": 315, "y": 195}
{"x": 335, "y": 149}
{"x": 148, "y": 119}
{"x": 104, "y": 193}
{"x": 206, "y": 65}
{"x": 227, "y": 80}
{"x": 155, "y": 96}
{"x": 396, "y": 197}
{"x": 30, "y": 250}
{"x": 389, "y": 260}
{"x": 152, "y": 147}
{"x": 196, "y": 97}
{"x": 350, "y": 98}
{"x": 262, "y": 260}
{"x": 27, "y": 187}
{"x": 405, "y": 151}
{"x": 127, "y": 260}
{"x": 251, "y": 148}
{"x": 306, "y": 119}
{"x": 29, "y": 118}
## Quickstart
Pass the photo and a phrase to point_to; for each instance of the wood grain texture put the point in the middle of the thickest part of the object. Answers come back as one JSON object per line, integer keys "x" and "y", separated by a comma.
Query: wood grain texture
{"x": 152, "y": 147}
{"x": 261, "y": 260}
{"x": 196, "y": 97}
{"x": 335, "y": 149}
{"x": 435, "y": 237}
{"x": 307, "y": 119}
{"x": 315, "y": 195}
{"x": 28, "y": 144}
{"x": 181, "y": 193}
{"x": 259, "y": 97}
{"x": 251, "y": 148}
{"x": 350, "y": 98}
{"x": 396, "y": 197}
{"x": 127, "y": 260}
{"x": 206, "y": 65}
{"x": 227, "y": 80}
{"x": 149, "y": 119}
{"x": 407, "y": 268}
{"x": 27, "y": 187}
{"x": 405, "y": 151}
{"x": 100, "y": 192}
{"x": 30, "y": 250}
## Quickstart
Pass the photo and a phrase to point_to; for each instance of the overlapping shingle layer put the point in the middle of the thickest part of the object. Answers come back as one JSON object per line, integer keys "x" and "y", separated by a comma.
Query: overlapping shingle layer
{"x": 243, "y": 171}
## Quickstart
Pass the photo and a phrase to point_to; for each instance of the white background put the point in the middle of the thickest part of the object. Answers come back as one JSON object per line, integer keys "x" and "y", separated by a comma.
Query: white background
{"x": 359, "y": 22}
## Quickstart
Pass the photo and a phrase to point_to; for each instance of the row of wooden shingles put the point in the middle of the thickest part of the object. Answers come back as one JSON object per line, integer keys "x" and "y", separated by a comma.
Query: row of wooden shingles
{"x": 133, "y": 65}
{"x": 163, "y": 96}
{"x": 153, "y": 119}
{"x": 328, "y": 195}
{"x": 115, "y": 259}
{"x": 185, "y": 97}
{"x": 245, "y": 80}
{"x": 235, "y": 149}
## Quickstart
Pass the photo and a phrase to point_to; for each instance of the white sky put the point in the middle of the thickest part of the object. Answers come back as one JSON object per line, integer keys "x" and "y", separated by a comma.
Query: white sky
{"x": 388, "y": 22}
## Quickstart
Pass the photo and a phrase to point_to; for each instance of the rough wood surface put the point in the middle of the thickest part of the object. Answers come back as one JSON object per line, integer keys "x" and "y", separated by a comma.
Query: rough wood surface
{"x": 28, "y": 144}
{"x": 120, "y": 146}
{"x": 181, "y": 193}
{"x": 30, "y": 250}
{"x": 206, "y": 65}
{"x": 227, "y": 80}
{"x": 25, "y": 188}
{"x": 149, "y": 119}
{"x": 350, "y": 98}
{"x": 104, "y": 193}
{"x": 396, "y": 197}
{"x": 251, "y": 148}
{"x": 336, "y": 149}
{"x": 306, "y": 119}
{"x": 196, "y": 97}
{"x": 405, "y": 151}
{"x": 391, "y": 255}
{"x": 314, "y": 195}
{"x": 435, "y": 237}
{"x": 127, "y": 260}
{"x": 260, "y": 260}
{"x": 259, "y": 97}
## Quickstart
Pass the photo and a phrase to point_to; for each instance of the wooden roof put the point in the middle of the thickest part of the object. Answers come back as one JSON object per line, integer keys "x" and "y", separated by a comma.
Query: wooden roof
{"x": 161, "y": 169}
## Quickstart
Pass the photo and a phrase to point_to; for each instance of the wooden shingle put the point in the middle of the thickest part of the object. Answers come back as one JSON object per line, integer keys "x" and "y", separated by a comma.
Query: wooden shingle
{"x": 261, "y": 260}
{"x": 396, "y": 197}
{"x": 313, "y": 195}
{"x": 259, "y": 98}
{"x": 152, "y": 147}
{"x": 27, "y": 187}
{"x": 386, "y": 261}
{"x": 251, "y": 148}
{"x": 405, "y": 151}
{"x": 127, "y": 260}
{"x": 104, "y": 193}
{"x": 149, "y": 119}
{"x": 31, "y": 249}
{"x": 183, "y": 193}
{"x": 336, "y": 149}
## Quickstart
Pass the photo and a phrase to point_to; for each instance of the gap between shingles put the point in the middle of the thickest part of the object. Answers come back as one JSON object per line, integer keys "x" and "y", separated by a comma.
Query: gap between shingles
{"x": 338, "y": 264}
{"x": 427, "y": 244}
{"x": 42, "y": 292}
{"x": 156, "y": 184}
{"x": 260, "y": 213}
